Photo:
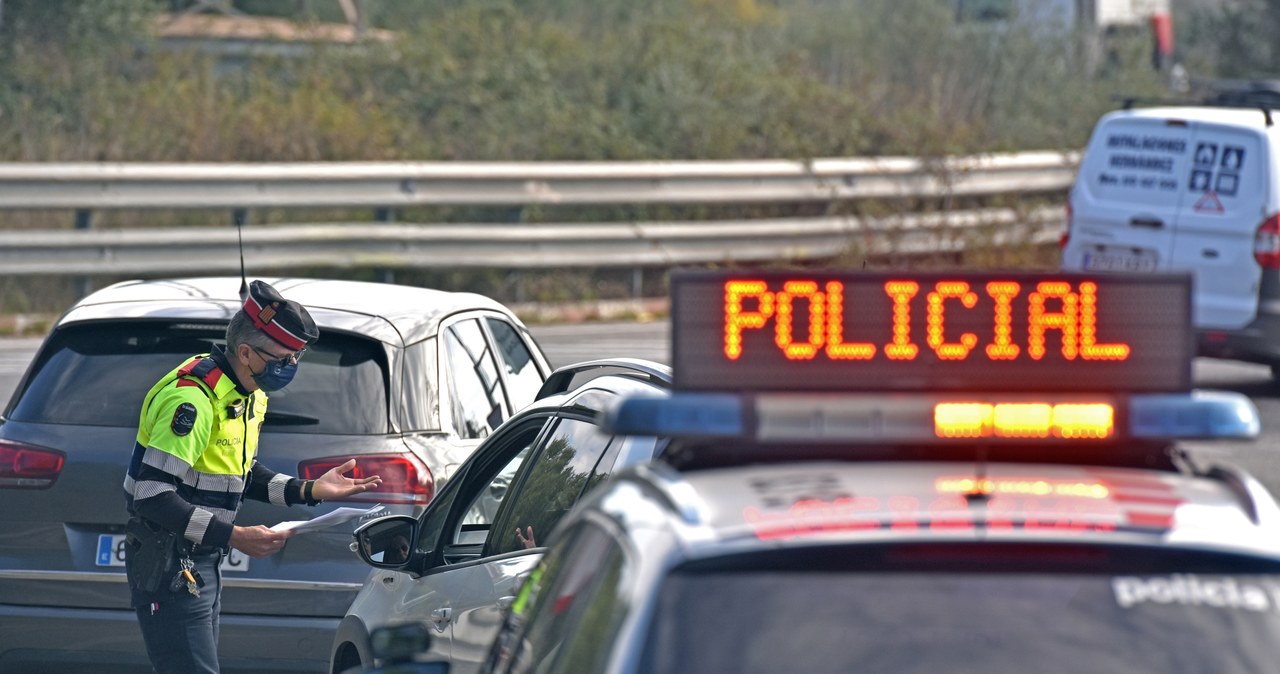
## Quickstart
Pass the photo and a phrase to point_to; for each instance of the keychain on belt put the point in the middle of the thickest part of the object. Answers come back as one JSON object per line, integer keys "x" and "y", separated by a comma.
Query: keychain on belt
{"x": 187, "y": 577}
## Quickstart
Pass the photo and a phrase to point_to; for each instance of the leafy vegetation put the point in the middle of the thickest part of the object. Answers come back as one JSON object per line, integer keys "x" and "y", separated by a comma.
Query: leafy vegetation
{"x": 557, "y": 79}
{"x": 544, "y": 80}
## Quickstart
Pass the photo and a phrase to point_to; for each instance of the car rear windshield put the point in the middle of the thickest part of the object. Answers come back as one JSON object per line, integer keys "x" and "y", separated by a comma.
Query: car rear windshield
{"x": 97, "y": 374}
{"x": 1148, "y": 617}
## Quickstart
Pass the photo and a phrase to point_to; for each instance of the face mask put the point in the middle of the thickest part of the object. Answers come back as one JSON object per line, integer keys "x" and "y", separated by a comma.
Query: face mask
{"x": 275, "y": 376}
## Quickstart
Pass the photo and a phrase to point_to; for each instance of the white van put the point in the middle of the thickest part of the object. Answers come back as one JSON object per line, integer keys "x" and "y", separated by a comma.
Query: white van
{"x": 1193, "y": 189}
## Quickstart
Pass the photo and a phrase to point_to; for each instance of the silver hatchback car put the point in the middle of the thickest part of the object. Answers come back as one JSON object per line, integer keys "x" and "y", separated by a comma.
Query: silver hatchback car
{"x": 407, "y": 380}
{"x": 458, "y": 566}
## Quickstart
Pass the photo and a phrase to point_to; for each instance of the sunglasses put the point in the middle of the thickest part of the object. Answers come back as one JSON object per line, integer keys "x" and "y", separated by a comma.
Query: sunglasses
{"x": 281, "y": 361}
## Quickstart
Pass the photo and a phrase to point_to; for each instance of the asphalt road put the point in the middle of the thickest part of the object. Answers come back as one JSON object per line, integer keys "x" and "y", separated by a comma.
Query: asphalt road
{"x": 566, "y": 344}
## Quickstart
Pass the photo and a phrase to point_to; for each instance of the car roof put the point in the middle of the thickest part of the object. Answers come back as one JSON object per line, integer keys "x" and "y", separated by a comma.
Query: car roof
{"x": 395, "y": 314}
{"x": 619, "y": 376}
{"x": 1245, "y": 117}
{"x": 722, "y": 511}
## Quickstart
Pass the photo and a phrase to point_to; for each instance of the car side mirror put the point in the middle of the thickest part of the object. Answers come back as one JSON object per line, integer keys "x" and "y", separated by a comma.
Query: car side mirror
{"x": 397, "y": 646}
{"x": 386, "y": 542}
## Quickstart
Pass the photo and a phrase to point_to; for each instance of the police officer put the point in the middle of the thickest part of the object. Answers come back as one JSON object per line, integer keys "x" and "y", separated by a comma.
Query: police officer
{"x": 194, "y": 461}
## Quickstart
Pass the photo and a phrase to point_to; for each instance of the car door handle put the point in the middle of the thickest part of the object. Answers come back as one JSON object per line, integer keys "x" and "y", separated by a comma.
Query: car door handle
{"x": 1152, "y": 223}
{"x": 440, "y": 617}
{"x": 505, "y": 603}
{"x": 1210, "y": 253}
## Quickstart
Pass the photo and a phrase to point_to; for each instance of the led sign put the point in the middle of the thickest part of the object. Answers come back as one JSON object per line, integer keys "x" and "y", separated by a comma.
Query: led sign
{"x": 934, "y": 332}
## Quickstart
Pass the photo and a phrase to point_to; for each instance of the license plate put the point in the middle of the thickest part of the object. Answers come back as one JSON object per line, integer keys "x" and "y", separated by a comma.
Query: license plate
{"x": 111, "y": 553}
{"x": 1116, "y": 261}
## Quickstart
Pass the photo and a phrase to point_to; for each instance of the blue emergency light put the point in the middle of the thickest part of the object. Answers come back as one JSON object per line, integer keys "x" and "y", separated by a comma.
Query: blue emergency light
{"x": 937, "y": 419}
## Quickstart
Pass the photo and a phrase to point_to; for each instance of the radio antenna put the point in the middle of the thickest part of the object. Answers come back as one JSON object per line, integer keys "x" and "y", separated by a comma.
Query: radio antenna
{"x": 244, "y": 282}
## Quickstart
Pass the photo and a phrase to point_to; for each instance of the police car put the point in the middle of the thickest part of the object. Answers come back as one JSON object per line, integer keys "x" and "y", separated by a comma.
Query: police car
{"x": 917, "y": 473}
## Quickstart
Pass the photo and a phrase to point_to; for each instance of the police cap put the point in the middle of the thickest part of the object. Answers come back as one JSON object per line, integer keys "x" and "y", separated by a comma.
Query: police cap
{"x": 283, "y": 320}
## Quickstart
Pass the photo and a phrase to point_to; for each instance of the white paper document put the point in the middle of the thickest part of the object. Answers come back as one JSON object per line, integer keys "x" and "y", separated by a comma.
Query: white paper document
{"x": 327, "y": 520}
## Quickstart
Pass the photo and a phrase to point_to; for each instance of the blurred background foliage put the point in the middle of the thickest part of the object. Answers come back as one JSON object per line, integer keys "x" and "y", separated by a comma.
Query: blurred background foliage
{"x": 572, "y": 80}
{"x": 558, "y": 80}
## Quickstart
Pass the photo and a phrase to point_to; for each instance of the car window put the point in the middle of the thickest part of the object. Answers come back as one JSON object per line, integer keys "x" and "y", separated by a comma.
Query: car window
{"x": 923, "y": 623}
{"x": 436, "y": 515}
{"x": 476, "y": 395}
{"x": 523, "y": 377}
{"x": 553, "y": 483}
{"x": 469, "y": 499}
{"x": 487, "y": 481}
{"x": 484, "y": 506}
{"x": 98, "y": 374}
{"x": 340, "y": 388}
{"x": 575, "y": 605}
{"x": 623, "y": 452}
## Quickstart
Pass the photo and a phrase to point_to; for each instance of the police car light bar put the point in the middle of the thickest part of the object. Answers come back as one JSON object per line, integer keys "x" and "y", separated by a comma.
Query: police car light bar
{"x": 937, "y": 419}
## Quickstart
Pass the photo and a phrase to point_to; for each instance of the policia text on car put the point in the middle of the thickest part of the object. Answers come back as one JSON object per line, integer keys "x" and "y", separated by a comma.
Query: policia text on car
{"x": 194, "y": 462}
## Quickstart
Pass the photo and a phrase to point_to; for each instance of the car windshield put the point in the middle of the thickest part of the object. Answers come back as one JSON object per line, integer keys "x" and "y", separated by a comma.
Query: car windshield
{"x": 1145, "y": 619}
{"x": 98, "y": 374}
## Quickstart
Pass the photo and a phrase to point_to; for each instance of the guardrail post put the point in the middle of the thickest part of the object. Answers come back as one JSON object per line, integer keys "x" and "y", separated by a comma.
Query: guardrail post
{"x": 84, "y": 220}
{"x": 385, "y": 215}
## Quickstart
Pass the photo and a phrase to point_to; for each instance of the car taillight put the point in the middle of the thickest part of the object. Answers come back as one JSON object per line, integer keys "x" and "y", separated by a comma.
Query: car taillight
{"x": 404, "y": 478}
{"x": 1266, "y": 243}
{"x": 1066, "y": 233}
{"x": 24, "y": 466}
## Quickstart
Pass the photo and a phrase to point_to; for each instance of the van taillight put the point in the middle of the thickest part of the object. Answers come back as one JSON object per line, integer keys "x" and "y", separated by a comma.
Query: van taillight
{"x": 1266, "y": 243}
{"x": 25, "y": 466}
{"x": 404, "y": 478}
{"x": 1066, "y": 233}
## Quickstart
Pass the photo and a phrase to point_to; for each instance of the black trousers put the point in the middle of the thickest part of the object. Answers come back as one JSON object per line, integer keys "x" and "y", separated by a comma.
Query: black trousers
{"x": 181, "y": 631}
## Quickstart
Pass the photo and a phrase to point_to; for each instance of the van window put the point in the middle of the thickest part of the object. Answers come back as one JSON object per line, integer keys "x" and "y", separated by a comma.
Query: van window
{"x": 1138, "y": 161}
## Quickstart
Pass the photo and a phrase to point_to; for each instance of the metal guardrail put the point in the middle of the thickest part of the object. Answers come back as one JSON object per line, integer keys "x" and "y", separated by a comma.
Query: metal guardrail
{"x": 516, "y": 246}
{"x": 84, "y": 187}
{"x": 404, "y": 184}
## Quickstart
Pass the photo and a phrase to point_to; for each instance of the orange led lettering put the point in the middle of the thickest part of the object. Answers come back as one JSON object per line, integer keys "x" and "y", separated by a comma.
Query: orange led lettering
{"x": 750, "y": 304}
{"x": 901, "y": 293}
{"x": 1003, "y": 293}
{"x": 785, "y": 327}
{"x": 1040, "y": 320}
{"x": 736, "y": 319}
{"x": 935, "y": 321}
{"x": 837, "y": 349}
{"x": 1090, "y": 349}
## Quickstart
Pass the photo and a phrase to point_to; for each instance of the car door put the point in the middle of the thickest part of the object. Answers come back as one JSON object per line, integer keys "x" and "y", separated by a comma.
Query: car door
{"x": 455, "y": 527}
{"x": 1126, "y": 196}
{"x": 1214, "y": 233}
{"x": 548, "y": 484}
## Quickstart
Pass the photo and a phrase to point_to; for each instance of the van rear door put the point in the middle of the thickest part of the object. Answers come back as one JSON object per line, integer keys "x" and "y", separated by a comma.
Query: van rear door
{"x": 1127, "y": 195}
{"x": 1217, "y": 221}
